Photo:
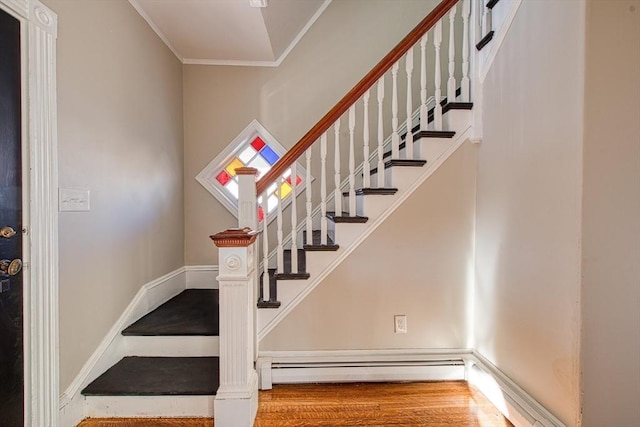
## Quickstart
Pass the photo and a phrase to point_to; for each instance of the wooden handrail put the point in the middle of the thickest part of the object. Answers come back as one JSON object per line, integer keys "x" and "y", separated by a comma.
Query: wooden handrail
{"x": 354, "y": 94}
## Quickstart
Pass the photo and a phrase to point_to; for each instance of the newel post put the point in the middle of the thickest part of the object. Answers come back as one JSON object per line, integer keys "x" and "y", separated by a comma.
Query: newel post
{"x": 236, "y": 402}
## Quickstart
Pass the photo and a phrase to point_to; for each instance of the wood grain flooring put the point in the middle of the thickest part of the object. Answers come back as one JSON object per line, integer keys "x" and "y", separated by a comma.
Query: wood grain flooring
{"x": 361, "y": 404}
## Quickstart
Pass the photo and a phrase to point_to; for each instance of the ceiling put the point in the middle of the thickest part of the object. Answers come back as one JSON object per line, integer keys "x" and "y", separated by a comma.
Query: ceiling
{"x": 230, "y": 32}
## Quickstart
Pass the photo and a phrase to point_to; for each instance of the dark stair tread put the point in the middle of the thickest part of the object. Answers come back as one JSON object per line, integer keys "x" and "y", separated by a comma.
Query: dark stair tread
{"x": 457, "y": 106}
{"x": 433, "y": 134}
{"x": 158, "y": 376}
{"x": 491, "y": 3}
{"x": 402, "y": 163}
{"x": 192, "y": 312}
{"x": 292, "y": 276}
{"x": 485, "y": 40}
{"x": 268, "y": 304}
{"x": 316, "y": 242}
{"x": 346, "y": 218}
{"x": 373, "y": 191}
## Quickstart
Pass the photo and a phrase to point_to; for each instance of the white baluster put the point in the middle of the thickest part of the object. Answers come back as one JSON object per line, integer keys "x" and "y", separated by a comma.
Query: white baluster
{"x": 424, "y": 112}
{"x": 280, "y": 250}
{"x": 294, "y": 218}
{"x": 451, "y": 82}
{"x": 486, "y": 20}
{"x": 366, "y": 167}
{"x": 336, "y": 167}
{"x": 380, "y": 133}
{"x": 352, "y": 161}
{"x": 323, "y": 189}
{"x": 309, "y": 202}
{"x": 465, "y": 83}
{"x": 437, "y": 111}
{"x": 408, "y": 141}
{"x": 395, "y": 137}
{"x": 266, "y": 280}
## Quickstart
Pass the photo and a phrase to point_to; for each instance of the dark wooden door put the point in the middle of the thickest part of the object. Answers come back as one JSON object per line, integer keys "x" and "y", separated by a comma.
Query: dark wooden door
{"x": 11, "y": 308}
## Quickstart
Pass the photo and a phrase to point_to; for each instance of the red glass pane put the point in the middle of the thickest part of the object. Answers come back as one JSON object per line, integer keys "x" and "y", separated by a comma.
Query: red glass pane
{"x": 260, "y": 214}
{"x": 223, "y": 177}
{"x": 298, "y": 180}
{"x": 258, "y": 143}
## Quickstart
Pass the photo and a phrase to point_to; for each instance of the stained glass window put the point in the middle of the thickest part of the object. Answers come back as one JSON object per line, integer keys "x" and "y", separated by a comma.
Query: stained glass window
{"x": 254, "y": 147}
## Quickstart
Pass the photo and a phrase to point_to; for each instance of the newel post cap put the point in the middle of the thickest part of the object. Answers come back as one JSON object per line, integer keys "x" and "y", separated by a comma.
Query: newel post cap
{"x": 246, "y": 171}
{"x": 235, "y": 237}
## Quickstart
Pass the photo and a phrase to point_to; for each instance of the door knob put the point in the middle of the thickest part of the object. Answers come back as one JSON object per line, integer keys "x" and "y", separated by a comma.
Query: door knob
{"x": 7, "y": 232}
{"x": 10, "y": 268}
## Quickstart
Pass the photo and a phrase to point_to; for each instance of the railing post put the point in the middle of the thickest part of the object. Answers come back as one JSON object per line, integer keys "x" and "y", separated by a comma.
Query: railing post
{"x": 247, "y": 198}
{"x": 236, "y": 402}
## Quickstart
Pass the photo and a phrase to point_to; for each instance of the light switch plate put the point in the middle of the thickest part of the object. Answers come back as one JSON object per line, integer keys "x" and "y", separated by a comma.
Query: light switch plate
{"x": 74, "y": 200}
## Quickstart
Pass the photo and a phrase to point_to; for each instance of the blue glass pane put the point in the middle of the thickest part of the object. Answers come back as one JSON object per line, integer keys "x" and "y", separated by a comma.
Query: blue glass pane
{"x": 269, "y": 155}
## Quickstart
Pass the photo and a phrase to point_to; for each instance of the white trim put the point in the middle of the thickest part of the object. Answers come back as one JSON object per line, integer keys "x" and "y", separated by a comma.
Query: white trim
{"x": 40, "y": 219}
{"x": 276, "y": 63}
{"x": 514, "y": 403}
{"x": 202, "y": 276}
{"x": 399, "y": 198}
{"x": 113, "y": 346}
{"x": 145, "y": 406}
{"x": 502, "y": 16}
{"x": 155, "y": 28}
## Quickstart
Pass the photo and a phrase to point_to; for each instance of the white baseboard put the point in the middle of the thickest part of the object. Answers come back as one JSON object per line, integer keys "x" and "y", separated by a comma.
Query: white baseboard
{"x": 73, "y": 407}
{"x": 147, "y": 406}
{"x": 202, "y": 276}
{"x": 514, "y": 403}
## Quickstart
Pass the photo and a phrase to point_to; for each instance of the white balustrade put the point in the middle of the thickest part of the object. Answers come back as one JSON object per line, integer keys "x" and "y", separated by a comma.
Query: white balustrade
{"x": 408, "y": 141}
{"x": 380, "y": 133}
{"x": 294, "y": 217}
{"x": 323, "y": 189}
{"x": 337, "y": 195}
{"x": 451, "y": 82}
{"x": 366, "y": 167}
{"x": 424, "y": 113}
{"x": 395, "y": 137}
{"x": 352, "y": 161}
{"x": 307, "y": 181}
{"x": 437, "y": 110}
{"x": 465, "y": 82}
{"x": 279, "y": 234}
{"x": 266, "y": 280}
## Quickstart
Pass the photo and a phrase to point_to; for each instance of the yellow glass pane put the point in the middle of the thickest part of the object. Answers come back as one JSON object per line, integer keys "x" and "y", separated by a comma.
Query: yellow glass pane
{"x": 231, "y": 168}
{"x": 286, "y": 189}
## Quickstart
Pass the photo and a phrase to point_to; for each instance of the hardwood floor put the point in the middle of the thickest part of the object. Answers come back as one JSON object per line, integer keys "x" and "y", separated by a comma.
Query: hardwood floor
{"x": 360, "y": 404}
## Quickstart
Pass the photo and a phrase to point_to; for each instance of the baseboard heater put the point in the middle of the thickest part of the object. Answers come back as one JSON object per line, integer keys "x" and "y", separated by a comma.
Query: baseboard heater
{"x": 291, "y": 369}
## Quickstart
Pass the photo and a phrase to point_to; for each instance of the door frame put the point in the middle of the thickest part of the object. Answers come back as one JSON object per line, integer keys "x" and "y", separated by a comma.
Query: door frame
{"x": 40, "y": 209}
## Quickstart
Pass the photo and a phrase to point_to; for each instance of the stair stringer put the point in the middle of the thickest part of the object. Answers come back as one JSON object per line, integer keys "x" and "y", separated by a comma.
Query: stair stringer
{"x": 320, "y": 265}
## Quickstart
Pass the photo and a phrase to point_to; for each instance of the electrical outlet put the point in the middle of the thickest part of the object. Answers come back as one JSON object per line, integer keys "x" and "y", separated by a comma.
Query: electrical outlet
{"x": 400, "y": 324}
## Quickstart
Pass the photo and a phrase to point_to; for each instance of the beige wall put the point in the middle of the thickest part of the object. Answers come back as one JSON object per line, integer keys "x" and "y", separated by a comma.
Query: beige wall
{"x": 419, "y": 262}
{"x": 221, "y": 101}
{"x": 120, "y": 136}
{"x": 529, "y": 181}
{"x": 611, "y": 216}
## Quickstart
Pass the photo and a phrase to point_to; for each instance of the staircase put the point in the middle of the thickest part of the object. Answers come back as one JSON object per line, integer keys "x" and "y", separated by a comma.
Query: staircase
{"x": 173, "y": 367}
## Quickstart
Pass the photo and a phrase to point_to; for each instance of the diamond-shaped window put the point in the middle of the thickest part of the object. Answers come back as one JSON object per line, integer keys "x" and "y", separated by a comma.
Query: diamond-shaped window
{"x": 253, "y": 147}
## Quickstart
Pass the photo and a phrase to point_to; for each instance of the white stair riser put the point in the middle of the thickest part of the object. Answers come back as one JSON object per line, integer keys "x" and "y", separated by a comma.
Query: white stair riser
{"x": 456, "y": 119}
{"x": 433, "y": 148}
{"x": 172, "y": 346}
{"x": 147, "y": 406}
{"x": 372, "y": 205}
{"x": 401, "y": 176}
{"x": 345, "y": 233}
